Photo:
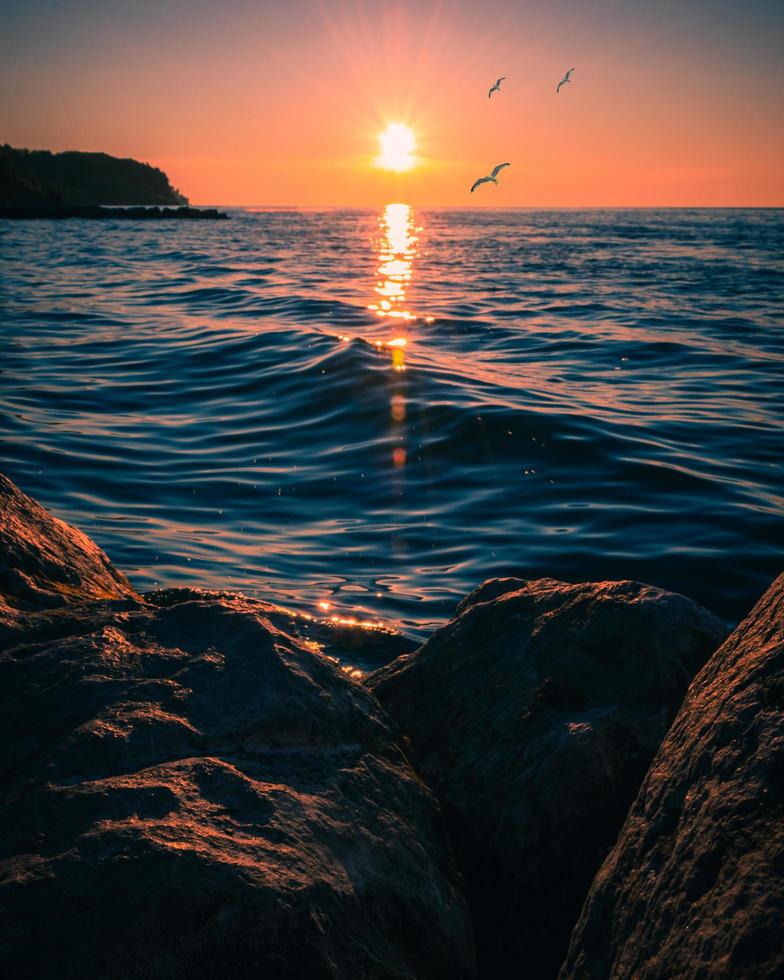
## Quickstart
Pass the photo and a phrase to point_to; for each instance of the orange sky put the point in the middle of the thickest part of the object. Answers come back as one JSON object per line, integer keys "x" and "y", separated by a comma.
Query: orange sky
{"x": 281, "y": 104}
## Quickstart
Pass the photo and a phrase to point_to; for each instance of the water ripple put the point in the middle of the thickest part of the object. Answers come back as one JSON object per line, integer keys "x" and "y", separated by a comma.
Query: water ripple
{"x": 383, "y": 409}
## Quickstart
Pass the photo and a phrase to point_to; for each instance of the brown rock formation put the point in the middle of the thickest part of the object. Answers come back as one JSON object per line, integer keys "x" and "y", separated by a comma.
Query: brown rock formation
{"x": 189, "y": 788}
{"x": 534, "y": 716}
{"x": 694, "y": 886}
{"x": 45, "y": 562}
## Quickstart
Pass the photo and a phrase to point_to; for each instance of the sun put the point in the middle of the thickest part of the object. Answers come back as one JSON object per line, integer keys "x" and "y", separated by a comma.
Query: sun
{"x": 396, "y": 145}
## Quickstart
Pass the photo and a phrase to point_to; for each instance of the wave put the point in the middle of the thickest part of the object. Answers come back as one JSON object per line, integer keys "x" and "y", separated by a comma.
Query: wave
{"x": 384, "y": 409}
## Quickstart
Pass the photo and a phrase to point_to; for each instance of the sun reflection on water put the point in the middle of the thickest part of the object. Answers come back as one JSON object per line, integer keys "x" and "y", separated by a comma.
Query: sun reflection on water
{"x": 397, "y": 249}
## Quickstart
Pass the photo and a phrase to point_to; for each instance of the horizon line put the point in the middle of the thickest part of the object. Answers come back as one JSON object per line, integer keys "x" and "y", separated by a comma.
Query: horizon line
{"x": 498, "y": 207}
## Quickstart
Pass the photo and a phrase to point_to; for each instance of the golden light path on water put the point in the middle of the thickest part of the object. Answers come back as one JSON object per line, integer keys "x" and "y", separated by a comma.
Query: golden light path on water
{"x": 397, "y": 248}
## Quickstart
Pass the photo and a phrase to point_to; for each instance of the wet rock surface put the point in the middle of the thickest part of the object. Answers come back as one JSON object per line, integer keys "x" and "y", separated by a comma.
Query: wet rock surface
{"x": 534, "y": 716}
{"x": 489, "y": 590}
{"x": 190, "y": 788}
{"x": 357, "y": 646}
{"x": 45, "y": 562}
{"x": 189, "y": 791}
{"x": 694, "y": 886}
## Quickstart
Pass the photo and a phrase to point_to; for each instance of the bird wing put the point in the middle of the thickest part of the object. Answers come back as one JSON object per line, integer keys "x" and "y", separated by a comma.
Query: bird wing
{"x": 568, "y": 74}
{"x": 562, "y": 82}
{"x": 497, "y": 86}
{"x": 497, "y": 170}
{"x": 482, "y": 180}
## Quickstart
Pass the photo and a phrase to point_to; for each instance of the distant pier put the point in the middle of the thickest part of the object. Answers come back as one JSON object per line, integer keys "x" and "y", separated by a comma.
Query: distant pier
{"x": 92, "y": 211}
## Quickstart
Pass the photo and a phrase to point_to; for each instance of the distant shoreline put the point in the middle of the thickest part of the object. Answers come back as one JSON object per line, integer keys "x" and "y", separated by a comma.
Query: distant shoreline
{"x": 95, "y": 211}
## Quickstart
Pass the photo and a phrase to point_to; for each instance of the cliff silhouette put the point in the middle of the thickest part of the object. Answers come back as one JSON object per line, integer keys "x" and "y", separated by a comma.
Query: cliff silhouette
{"x": 73, "y": 178}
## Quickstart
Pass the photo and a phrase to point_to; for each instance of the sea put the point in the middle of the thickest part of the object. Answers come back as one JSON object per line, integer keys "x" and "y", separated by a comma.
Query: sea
{"x": 366, "y": 413}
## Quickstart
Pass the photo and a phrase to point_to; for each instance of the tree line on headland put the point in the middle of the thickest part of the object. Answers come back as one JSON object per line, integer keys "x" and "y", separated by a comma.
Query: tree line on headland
{"x": 29, "y": 177}
{"x": 41, "y": 184}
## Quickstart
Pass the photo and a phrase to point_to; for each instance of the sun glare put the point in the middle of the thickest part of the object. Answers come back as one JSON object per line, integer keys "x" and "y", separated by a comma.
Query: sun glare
{"x": 397, "y": 145}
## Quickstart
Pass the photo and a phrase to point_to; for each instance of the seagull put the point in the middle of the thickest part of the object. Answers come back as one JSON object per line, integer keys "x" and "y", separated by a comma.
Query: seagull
{"x": 493, "y": 178}
{"x": 564, "y": 80}
{"x": 497, "y": 86}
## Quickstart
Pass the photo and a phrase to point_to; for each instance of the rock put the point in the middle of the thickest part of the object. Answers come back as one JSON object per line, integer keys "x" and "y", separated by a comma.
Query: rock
{"x": 190, "y": 791}
{"x": 357, "y": 645}
{"x": 45, "y": 562}
{"x": 694, "y": 887}
{"x": 491, "y": 589}
{"x": 189, "y": 788}
{"x": 362, "y": 646}
{"x": 534, "y": 716}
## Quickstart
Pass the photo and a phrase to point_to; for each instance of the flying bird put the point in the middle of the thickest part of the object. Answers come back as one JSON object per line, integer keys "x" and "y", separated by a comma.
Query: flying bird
{"x": 492, "y": 178}
{"x": 497, "y": 86}
{"x": 564, "y": 80}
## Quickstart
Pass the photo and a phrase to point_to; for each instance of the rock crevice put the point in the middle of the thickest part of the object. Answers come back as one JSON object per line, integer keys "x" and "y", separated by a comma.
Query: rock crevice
{"x": 695, "y": 883}
{"x": 534, "y": 716}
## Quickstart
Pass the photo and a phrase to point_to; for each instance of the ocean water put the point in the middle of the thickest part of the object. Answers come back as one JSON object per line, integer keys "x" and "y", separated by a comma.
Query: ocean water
{"x": 377, "y": 410}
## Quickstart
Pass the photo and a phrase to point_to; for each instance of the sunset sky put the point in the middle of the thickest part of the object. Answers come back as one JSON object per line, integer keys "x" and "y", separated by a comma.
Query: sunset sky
{"x": 671, "y": 103}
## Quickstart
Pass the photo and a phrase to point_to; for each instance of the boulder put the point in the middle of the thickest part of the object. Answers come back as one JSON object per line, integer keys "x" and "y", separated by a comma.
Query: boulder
{"x": 188, "y": 787}
{"x": 694, "y": 886}
{"x": 534, "y": 716}
{"x": 357, "y": 645}
{"x": 190, "y": 791}
{"x": 491, "y": 589}
{"x": 45, "y": 562}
